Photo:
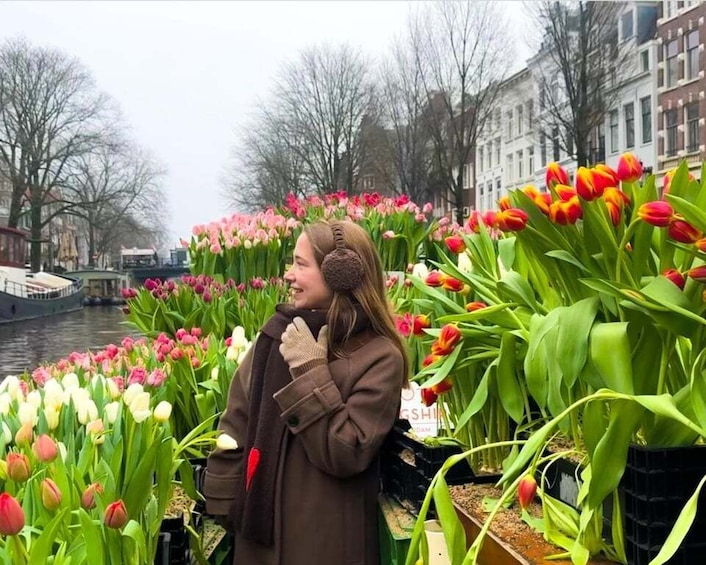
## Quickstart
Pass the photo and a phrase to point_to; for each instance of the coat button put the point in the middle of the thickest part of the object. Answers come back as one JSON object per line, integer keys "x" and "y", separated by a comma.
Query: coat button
{"x": 293, "y": 421}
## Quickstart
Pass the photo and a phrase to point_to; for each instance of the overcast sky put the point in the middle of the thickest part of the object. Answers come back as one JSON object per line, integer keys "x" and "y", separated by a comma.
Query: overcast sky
{"x": 186, "y": 73}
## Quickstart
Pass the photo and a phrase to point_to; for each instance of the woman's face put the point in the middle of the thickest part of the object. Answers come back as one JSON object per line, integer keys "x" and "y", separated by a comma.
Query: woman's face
{"x": 309, "y": 291}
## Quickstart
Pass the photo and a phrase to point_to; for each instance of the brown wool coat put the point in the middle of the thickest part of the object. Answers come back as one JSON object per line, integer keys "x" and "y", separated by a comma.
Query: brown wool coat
{"x": 326, "y": 500}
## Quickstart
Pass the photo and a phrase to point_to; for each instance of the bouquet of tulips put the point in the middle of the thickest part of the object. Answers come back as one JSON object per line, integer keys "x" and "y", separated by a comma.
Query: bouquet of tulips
{"x": 86, "y": 471}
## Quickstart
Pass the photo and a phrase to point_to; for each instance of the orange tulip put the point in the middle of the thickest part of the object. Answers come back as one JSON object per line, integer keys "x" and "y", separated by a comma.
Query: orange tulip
{"x": 452, "y": 284}
{"x": 448, "y": 338}
{"x": 504, "y": 203}
{"x": 512, "y": 219}
{"x": 88, "y": 498}
{"x": 443, "y": 386}
{"x": 629, "y": 168}
{"x": 435, "y": 278}
{"x": 564, "y": 192}
{"x": 429, "y": 359}
{"x": 565, "y": 213}
{"x": 604, "y": 177}
{"x": 555, "y": 175}
{"x": 473, "y": 221}
{"x": 701, "y": 244}
{"x": 698, "y": 274}
{"x": 18, "y": 468}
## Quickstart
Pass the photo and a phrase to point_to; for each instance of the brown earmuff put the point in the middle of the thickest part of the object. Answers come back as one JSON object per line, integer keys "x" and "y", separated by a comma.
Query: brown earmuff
{"x": 342, "y": 268}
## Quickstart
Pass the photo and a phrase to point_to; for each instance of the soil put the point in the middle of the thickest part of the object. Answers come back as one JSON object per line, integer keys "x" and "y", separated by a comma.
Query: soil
{"x": 509, "y": 526}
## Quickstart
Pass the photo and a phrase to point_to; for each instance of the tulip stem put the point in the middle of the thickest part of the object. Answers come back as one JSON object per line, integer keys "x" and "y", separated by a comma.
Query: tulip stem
{"x": 632, "y": 226}
{"x": 19, "y": 550}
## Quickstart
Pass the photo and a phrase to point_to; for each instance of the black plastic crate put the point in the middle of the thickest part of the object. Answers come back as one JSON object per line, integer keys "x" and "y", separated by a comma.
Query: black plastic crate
{"x": 561, "y": 480}
{"x": 163, "y": 555}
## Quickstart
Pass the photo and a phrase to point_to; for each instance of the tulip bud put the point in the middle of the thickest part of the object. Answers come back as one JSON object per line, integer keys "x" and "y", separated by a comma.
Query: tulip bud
{"x": 586, "y": 184}
{"x": 604, "y": 177}
{"x": 115, "y": 515}
{"x": 452, "y": 284}
{"x": 24, "y": 435}
{"x": 45, "y": 449}
{"x": 675, "y": 277}
{"x": 698, "y": 274}
{"x": 683, "y": 232}
{"x": 564, "y": 192}
{"x": 434, "y": 279}
{"x": 226, "y": 442}
{"x": 555, "y": 175}
{"x": 18, "y": 468}
{"x": 162, "y": 411}
{"x": 420, "y": 323}
{"x": 443, "y": 386}
{"x": 428, "y": 396}
{"x": 526, "y": 491}
{"x": 473, "y": 306}
{"x": 629, "y": 168}
{"x": 565, "y": 213}
{"x": 504, "y": 203}
{"x": 51, "y": 495}
{"x": 448, "y": 338}
{"x": 88, "y": 498}
{"x": 12, "y": 518}
{"x": 657, "y": 213}
{"x": 512, "y": 219}
{"x": 95, "y": 429}
{"x": 430, "y": 359}
{"x": 455, "y": 244}
{"x": 701, "y": 245}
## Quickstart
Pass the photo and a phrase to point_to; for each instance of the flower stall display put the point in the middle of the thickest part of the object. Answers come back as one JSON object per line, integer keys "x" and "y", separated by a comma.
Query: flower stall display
{"x": 86, "y": 470}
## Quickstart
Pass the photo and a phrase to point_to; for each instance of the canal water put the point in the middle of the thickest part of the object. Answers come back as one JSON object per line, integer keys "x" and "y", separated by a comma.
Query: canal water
{"x": 25, "y": 345}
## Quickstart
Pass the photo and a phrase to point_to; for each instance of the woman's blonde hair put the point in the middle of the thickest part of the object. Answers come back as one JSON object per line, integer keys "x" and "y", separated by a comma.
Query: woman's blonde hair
{"x": 370, "y": 293}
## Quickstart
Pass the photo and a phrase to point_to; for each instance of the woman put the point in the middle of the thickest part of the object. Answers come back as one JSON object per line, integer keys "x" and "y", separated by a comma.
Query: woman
{"x": 309, "y": 407}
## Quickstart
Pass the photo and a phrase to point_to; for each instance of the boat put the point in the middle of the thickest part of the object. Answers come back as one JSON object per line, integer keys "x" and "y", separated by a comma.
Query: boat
{"x": 103, "y": 286}
{"x": 25, "y": 295}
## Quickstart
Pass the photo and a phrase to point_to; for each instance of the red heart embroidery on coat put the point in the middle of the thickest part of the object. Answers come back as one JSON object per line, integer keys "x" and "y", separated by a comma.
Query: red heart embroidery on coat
{"x": 253, "y": 462}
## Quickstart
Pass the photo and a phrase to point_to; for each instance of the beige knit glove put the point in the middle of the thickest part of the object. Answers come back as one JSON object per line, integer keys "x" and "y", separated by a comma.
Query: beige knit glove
{"x": 299, "y": 348}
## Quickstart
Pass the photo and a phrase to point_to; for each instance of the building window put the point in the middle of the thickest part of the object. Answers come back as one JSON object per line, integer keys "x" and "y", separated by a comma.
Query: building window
{"x": 489, "y": 155}
{"x": 530, "y": 114}
{"x": 613, "y": 131}
{"x": 629, "y": 113}
{"x": 466, "y": 176}
{"x": 691, "y": 46}
{"x": 555, "y": 144}
{"x": 510, "y": 166}
{"x": 530, "y": 160}
{"x": 480, "y": 159}
{"x": 670, "y": 126}
{"x": 646, "y": 113}
{"x": 520, "y": 117}
{"x": 644, "y": 60}
{"x": 520, "y": 163}
{"x": 626, "y": 26}
{"x": 509, "y": 125}
{"x": 497, "y": 151}
{"x": 369, "y": 182}
{"x": 543, "y": 150}
{"x": 671, "y": 50}
{"x": 601, "y": 144}
{"x": 691, "y": 115}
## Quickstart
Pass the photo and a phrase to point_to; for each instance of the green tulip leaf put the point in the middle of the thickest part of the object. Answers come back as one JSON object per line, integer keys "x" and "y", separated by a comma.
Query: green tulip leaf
{"x": 567, "y": 257}
{"x": 92, "y": 536}
{"x": 517, "y": 288}
{"x": 609, "y": 349}
{"x": 691, "y": 212}
{"x": 454, "y": 534}
{"x": 574, "y": 325}
{"x": 42, "y": 547}
{"x": 509, "y": 389}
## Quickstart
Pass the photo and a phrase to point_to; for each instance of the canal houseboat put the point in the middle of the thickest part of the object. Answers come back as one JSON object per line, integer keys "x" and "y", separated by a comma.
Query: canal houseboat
{"x": 25, "y": 295}
{"x": 102, "y": 286}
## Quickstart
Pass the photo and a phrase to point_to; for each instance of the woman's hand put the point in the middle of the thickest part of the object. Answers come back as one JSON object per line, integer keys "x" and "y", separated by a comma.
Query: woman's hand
{"x": 299, "y": 346}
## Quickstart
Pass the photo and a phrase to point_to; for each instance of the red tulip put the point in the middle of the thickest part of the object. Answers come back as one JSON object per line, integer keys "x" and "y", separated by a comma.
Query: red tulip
{"x": 526, "y": 491}
{"x": 18, "y": 468}
{"x": 683, "y": 232}
{"x": 629, "y": 168}
{"x": 88, "y": 498}
{"x": 435, "y": 278}
{"x": 489, "y": 218}
{"x": 448, "y": 338}
{"x": 473, "y": 221}
{"x": 512, "y": 219}
{"x": 429, "y": 359}
{"x": 421, "y": 321}
{"x": 473, "y": 306}
{"x": 656, "y": 213}
{"x": 565, "y": 213}
{"x": 428, "y": 396}
{"x": 676, "y": 277}
{"x": 12, "y": 518}
{"x": 504, "y": 203}
{"x": 604, "y": 177}
{"x": 443, "y": 386}
{"x": 45, "y": 449}
{"x": 543, "y": 201}
{"x": 555, "y": 175}
{"x": 51, "y": 495}
{"x": 115, "y": 515}
{"x": 531, "y": 192}
{"x": 404, "y": 324}
{"x": 455, "y": 244}
{"x": 698, "y": 274}
{"x": 564, "y": 192}
{"x": 452, "y": 284}
{"x": 586, "y": 184}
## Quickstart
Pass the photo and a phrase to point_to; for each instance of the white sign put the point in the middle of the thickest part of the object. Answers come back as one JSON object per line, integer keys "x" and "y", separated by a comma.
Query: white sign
{"x": 424, "y": 419}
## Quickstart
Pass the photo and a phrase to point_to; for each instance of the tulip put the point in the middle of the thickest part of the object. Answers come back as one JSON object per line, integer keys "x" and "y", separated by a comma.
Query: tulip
{"x": 428, "y": 396}
{"x": 629, "y": 168}
{"x": 657, "y": 213}
{"x": 434, "y": 279}
{"x": 420, "y": 323}
{"x": 683, "y": 232}
{"x": 455, "y": 244}
{"x": 474, "y": 221}
{"x": 443, "y": 386}
{"x": 543, "y": 201}
{"x": 226, "y": 442}
{"x": 604, "y": 177}
{"x": 531, "y": 192}
{"x": 95, "y": 429}
{"x": 698, "y": 274}
{"x": 513, "y": 219}
{"x": 45, "y": 449}
{"x": 675, "y": 277}
{"x": 586, "y": 184}
{"x": 526, "y": 491}
{"x": 88, "y": 498}
{"x": 489, "y": 219}
{"x": 18, "y": 468}
{"x": 12, "y": 518}
{"x": 564, "y": 192}
{"x": 556, "y": 175}
{"x": 162, "y": 411}
{"x": 448, "y": 338}
{"x": 51, "y": 495}
{"x": 473, "y": 306}
{"x": 565, "y": 213}
{"x": 115, "y": 515}
{"x": 504, "y": 203}
{"x": 667, "y": 180}
{"x": 430, "y": 359}
{"x": 701, "y": 244}
{"x": 452, "y": 284}
{"x": 24, "y": 435}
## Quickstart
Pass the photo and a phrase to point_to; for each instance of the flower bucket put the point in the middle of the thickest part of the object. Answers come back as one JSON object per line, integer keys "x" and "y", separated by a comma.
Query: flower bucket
{"x": 438, "y": 554}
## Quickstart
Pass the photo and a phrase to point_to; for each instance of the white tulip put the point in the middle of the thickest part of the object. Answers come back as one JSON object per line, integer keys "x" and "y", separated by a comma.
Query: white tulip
{"x": 95, "y": 429}
{"x": 34, "y": 397}
{"x": 86, "y": 411}
{"x": 113, "y": 389}
{"x": 51, "y": 414}
{"x": 79, "y": 395}
{"x": 27, "y": 414}
{"x": 231, "y": 353}
{"x": 238, "y": 338}
{"x": 420, "y": 270}
{"x": 110, "y": 412}
{"x": 226, "y": 442}
{"x": 240, "y": 358}
{"x": 132, "y": 391}
{"x": 140, "y": 407}
{"x": 162, "y": 411}
{"x": 70, "y": 381}
{"x": 140, "y": 415}
{"x": 53, "y": 394}
{"x": 464, "y": 263}
{"x": 62, "y": 450}
{"x": 10, "y": 384}
{"x": 214, "y": 373}
{"x": 6, "y": 433}
{"x": 5, "y": 401}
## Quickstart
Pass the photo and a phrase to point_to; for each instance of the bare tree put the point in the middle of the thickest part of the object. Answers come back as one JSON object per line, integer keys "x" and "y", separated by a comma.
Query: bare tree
{"x": 577, "y": 65}
{"x": 117, "y": 180}
{"x": 50, "y": 112}
{"x": 403, "y": 101}
{"x": 462, "y": 51}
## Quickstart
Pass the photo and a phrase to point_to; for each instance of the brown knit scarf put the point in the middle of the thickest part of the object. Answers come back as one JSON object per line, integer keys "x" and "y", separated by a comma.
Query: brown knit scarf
{"x": 254, "y": 508}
